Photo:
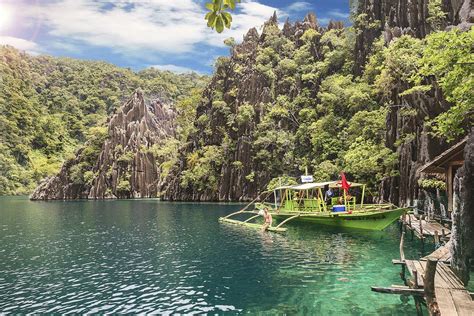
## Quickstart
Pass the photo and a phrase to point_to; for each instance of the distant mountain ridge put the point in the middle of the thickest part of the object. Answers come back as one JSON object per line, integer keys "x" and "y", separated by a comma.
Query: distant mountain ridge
{"x": 50, "y": 106}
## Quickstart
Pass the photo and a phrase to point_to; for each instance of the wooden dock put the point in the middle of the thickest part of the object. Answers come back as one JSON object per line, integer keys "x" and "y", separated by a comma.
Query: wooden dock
{"x": 423, "y": 228}
{"x": 442, "y": 254}
{"x": 451, "y": 296}
{"x": 432, "y": 280}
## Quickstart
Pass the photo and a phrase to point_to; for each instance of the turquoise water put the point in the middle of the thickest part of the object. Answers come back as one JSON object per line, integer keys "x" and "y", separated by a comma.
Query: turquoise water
{"x": 144, "y": 256}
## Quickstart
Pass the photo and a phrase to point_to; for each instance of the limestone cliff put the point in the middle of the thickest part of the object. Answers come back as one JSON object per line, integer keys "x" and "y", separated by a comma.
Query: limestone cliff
{"x": 462, "y": 249}
{"x": 407, "y": 134}
{"x": 243, "y": 85}
{"x": 392, "y": 18}
{"x": 124, "y": 167}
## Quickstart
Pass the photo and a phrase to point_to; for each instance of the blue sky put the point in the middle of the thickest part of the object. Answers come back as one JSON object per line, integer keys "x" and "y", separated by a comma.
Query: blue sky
{"x": 166, "y": 34}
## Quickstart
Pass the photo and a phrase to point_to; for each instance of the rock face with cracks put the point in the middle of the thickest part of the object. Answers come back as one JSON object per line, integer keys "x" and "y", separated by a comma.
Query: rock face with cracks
{"x": 125, "y": 167}
{"x": 462, "y": 249}
{"x": 254, "y": 89}
{"x": 393, "y": 18}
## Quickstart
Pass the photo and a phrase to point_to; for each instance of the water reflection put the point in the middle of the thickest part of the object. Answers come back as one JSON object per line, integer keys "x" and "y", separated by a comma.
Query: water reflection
{"x": 148, "y": 256}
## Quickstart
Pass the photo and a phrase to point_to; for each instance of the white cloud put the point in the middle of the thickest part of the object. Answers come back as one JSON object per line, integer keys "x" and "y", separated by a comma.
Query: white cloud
{"x": 174, "y": 68}
{"x": 19, "y": 43}
{"x": 299, "y": 6}
{"x": 144, "y": 27}
{"x": 65, "y": 46}
{"x": 338, "y": 14}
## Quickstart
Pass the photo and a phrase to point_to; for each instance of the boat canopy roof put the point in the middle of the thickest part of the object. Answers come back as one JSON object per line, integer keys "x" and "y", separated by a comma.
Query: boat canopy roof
{"x": 316, "y": 185}
{"x": 311, "y": 185}
{"x": 284, "y": 187}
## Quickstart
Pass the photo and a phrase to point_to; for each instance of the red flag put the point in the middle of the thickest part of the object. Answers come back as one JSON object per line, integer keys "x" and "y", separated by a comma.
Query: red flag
{"x": 344, "y": 184}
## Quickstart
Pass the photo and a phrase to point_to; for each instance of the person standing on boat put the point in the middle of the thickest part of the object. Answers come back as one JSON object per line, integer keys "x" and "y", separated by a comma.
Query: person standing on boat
{"x": 268, "y": 219}
{"x": 328, "y": 194}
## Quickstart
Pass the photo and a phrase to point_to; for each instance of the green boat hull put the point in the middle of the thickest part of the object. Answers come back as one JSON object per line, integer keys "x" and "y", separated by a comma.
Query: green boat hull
{"x": 369, "y": 220}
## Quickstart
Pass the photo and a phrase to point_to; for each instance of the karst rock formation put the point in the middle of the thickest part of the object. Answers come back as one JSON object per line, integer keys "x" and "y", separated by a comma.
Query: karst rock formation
{"x": 125, "y": 167}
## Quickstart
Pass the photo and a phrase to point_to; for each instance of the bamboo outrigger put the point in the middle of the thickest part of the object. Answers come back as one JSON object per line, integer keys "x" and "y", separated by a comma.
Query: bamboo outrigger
{"x": 306, "y": 202}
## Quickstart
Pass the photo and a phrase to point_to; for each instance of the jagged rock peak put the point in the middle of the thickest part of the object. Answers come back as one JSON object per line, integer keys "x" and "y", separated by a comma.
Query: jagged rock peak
{"x": 125, "y": 166}
{"x": 272, "y": 22}
{"x": 288, "y": 28}
{"x": 311, "y": 20}
{"x": 335, "y": 25}
{"x": 252, "y": 35}
{"x": 273, "y": 19}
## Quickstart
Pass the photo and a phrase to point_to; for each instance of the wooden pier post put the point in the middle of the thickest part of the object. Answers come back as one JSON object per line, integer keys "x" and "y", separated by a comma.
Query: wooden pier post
{"x": 402, "y": 241}
{"x": 436, "y": 239}
{"x": 415, "y": 277}
{"x": 429, "y": 286}
{"x": 415, "y": 286}
{"x": 402, "y": 256}
{"x": 443, "y": 235}
{"x": 421, "y": 228}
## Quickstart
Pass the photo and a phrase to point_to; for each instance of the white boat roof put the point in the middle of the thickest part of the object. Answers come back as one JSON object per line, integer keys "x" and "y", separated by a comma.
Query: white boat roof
{"x": 283, "y": 187}
{"x": 315, "y": 185}
{"x": 312, "y": 185}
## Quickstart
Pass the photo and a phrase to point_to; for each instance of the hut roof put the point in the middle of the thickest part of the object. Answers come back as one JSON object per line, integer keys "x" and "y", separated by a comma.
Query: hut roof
{"x": 440, "y": 163}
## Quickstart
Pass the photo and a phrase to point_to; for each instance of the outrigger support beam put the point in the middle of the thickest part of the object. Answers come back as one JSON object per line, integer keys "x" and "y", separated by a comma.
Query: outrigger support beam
{"x": 286, "y": 220}
{"x": 252, "y": 225}
{"x": 250, "y": 218}
{"x": 248, "y": 205}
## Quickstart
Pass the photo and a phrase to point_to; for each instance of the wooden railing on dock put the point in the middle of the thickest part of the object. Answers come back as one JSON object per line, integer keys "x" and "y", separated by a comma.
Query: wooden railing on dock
{"x": 422, "y": 228}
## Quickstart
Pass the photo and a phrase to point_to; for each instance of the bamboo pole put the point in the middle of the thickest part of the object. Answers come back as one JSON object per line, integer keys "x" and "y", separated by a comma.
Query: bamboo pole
{"x": 398, "y": 290}
{"x": 249, "y": 219}
{"x": 286, "y": 220}
{"x": 402, "y": 252}
{"x": 275, "y": 199}
{"x": 248, "y": 205}
{"x": 421, "y": 228}
{"x": 323, "y": 202}
{"x": 362, "y": 197}
{"x": 402, "y": 256}
{"x": 345, "y": 200}
{"x": 429, "y": 285}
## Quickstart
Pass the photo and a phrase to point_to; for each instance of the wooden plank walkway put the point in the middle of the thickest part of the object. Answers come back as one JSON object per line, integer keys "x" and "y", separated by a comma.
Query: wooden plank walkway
{"x": 442, "y": 254}
{"x": 443, "y": 292}
{"x": 423, "y": 228}
{"x": 451, "y": 295}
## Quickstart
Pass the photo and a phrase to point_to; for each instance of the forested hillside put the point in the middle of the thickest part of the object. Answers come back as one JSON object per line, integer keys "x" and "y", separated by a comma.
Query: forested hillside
{"x": 306, "y": 96}
{"x": 376, "y": 100}
{"x": 49, "y": 106}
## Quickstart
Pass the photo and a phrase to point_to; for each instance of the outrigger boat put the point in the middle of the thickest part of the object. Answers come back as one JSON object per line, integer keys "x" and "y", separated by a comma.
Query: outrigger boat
{"x": 306, "y": 202}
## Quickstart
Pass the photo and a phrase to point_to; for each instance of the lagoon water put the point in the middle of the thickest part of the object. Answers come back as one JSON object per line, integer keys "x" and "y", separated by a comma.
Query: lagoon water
{"x": 147, "y": 256}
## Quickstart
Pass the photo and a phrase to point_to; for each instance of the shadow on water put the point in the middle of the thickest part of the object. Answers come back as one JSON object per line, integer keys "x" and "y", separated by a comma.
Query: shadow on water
{"x": 149, "y": 256}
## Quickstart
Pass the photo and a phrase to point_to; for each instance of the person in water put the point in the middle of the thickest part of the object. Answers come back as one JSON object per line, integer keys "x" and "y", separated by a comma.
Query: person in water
{"x": 268, "y": 219}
